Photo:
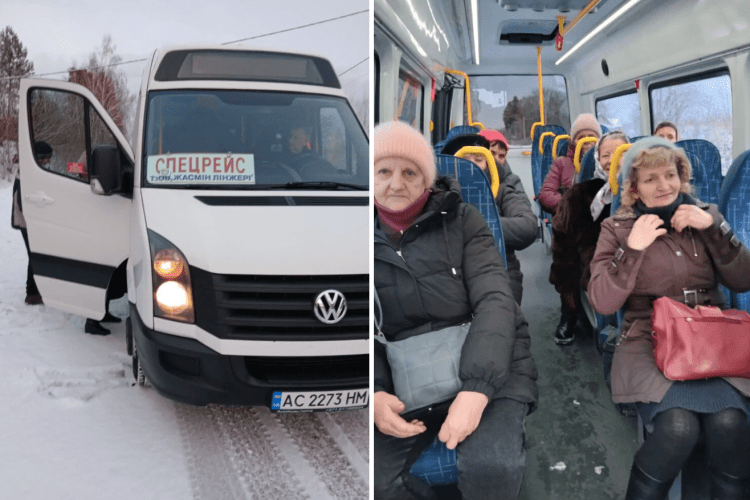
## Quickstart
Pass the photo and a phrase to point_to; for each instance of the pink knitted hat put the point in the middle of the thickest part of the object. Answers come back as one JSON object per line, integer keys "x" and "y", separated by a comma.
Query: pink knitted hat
{"x": 586, "y": 121}
{"x": 399, "y": 140}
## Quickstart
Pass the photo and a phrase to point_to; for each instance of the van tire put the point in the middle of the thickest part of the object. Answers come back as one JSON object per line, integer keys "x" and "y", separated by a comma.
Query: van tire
{"x": 138, "y": 373}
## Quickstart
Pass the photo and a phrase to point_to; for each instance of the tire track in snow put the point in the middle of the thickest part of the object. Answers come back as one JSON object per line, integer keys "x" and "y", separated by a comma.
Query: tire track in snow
{"x": 211, "y": 471}
{"x": 356, "y": 460}
{"x": 332, "y": 464}
{"x": 257, "y": 457}
{"x": 315, "y": 488}
{"x": 252, "y": 453}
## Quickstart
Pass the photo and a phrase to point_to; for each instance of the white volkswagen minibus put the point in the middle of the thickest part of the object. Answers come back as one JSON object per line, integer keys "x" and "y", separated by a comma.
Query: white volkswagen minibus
{"x": 237, "y": 223}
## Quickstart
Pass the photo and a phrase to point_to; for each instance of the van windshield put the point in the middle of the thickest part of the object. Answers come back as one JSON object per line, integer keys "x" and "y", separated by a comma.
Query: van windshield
{"x": 222, "y": 139}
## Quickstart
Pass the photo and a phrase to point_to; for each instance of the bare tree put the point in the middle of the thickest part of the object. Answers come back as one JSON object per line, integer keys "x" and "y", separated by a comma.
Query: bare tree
{"x": 108, "y": 83}
{"x": 14, "y": 65}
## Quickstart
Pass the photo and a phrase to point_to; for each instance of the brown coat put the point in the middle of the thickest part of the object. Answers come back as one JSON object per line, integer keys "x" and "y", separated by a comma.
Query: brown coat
{"x": 689, "y": 260}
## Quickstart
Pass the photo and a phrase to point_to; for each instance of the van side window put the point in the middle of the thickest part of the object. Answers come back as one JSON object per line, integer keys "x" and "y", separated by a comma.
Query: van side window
{"x": 700, "y": 106}
{"x": 57, "y": 118}
{"x": 333, "y": 138}
{"x": 620, "y": 111}
{"x": 100, "y": 133}
{"x": 409, "y": 100}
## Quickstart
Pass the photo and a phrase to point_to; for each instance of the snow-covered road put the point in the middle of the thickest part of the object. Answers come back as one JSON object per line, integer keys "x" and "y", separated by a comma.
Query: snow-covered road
{"x": 73, "y": 425}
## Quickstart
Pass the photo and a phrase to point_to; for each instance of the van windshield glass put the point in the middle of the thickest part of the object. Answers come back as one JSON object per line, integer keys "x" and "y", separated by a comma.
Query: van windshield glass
{"x": 216, "y": 139}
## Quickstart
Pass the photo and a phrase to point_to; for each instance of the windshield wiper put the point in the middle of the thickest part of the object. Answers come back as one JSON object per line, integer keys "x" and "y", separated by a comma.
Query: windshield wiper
{"x": 324, "y": 185}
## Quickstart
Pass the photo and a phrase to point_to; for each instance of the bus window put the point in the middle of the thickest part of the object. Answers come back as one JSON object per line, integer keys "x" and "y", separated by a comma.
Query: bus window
{"x": 510, "y": 103}
{"x": 700, "y": 106}
{"x": 620, "y": 111}
{"x": 409, "y": 100}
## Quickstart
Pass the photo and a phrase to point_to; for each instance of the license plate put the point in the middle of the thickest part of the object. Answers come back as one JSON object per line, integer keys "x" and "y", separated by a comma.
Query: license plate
{"x": 323, "y": 400}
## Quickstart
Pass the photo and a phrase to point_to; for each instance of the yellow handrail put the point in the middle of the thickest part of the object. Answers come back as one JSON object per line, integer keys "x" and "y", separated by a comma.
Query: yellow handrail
{"x": 563, "y": 30}
{"x": 478, "y": 150}
{"x": 614, "y": 167}
{"x": 541, "y": 88}
{"x": 577, "y": 155}
{"x": 468, "y": 96}
{"x": 541, "y": 141}
{"x": 554, "y": 144}
{"x": 533, "y": 126}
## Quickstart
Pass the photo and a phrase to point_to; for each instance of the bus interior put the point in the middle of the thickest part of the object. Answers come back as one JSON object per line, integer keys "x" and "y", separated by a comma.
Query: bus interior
{"x": 443, "y": 65}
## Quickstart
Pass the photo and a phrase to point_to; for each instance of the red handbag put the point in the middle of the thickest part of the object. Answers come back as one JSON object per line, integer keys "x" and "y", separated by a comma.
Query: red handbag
{"x": 704, "y": 342}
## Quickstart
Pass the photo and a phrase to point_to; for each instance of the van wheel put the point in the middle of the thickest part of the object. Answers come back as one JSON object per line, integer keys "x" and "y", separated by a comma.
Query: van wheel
{"x": 140, "y": 377}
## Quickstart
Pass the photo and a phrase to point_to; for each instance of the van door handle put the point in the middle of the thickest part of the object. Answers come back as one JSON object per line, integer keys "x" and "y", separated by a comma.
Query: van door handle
{"x": 39, "y": 199}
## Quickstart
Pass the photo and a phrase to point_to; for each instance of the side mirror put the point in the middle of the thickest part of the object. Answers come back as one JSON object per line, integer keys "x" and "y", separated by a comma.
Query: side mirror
{"x": 106, "y": 170}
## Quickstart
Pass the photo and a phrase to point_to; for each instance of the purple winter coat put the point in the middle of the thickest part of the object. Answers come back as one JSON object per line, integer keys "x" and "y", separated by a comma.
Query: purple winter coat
{"x": 560, "y": 175}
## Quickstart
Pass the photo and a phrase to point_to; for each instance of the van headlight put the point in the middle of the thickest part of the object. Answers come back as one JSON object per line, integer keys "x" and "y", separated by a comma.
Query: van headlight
{"x": 173, "y": 293}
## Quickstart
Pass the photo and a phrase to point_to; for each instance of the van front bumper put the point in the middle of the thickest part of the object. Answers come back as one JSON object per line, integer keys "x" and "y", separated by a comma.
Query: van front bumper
{"x": 187, "y": 371}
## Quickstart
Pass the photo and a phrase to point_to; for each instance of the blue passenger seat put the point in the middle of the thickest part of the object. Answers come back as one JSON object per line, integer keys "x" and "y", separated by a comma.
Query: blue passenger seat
{"x": 711, "y": 160}
{"x": 588, "y": 166}
{"x": 538, "y": 173}
{"x": 457, "y": 130}
{"x": 734, "y": 204}
{"x": 475, "y": 190}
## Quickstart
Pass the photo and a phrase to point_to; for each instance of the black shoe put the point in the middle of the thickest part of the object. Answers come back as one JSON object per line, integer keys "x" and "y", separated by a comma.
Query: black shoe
{"x": 34, "y": 299}
{"x": 565, "y": 333}
{"x": 109, "y": 318}
{"x": 726, "y": 487}
{"x": 94, "y": 328}
{"x": 641, "y": 486}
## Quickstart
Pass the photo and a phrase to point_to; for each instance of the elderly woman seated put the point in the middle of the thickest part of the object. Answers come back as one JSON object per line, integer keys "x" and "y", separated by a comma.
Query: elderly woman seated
{"x": 513, "y": 206}
{"x": 438, "y": 270}
{"x": 664, "y": 242}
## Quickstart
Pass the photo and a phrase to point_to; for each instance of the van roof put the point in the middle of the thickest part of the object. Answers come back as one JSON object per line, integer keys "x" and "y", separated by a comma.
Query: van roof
{"x": 240, "y": 63}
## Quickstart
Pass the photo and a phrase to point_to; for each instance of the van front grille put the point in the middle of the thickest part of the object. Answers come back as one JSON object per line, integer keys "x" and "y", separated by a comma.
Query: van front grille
{"x": 300, "y": 371}
{"x": 256, "y": 307}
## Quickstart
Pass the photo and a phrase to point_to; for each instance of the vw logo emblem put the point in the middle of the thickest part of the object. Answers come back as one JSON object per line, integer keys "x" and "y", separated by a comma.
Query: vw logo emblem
{"x": 330, "y": 306}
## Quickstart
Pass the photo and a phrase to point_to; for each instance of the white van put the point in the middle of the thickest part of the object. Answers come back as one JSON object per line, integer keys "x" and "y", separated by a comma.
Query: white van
{"x": 238, "y": 223}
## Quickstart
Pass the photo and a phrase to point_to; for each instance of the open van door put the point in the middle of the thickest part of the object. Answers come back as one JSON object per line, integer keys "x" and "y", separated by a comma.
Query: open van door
{"x": 77, "y": 238}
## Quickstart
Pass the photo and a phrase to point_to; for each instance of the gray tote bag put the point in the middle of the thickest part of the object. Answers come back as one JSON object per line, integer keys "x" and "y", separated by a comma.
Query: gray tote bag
{"x": 424, "y": 367}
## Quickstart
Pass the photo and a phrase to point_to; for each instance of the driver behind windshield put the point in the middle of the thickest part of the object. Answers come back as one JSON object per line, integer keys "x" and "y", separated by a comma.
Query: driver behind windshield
{"x": 304, "y": 159}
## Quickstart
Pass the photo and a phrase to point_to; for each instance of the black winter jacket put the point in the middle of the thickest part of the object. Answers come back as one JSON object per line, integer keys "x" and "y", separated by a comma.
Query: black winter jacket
{"x": 449, "y": 269}
{"x": 507, "y": 176}
{"x": 520, "y": 227}
{"x": 574, "y": 237}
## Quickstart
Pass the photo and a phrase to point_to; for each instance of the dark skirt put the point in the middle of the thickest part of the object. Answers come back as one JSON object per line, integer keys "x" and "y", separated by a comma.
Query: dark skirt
{"x": 701, "y": 396}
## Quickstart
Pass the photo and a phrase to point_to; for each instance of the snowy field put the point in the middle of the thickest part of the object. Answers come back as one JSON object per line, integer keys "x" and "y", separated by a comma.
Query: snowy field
{"x": 74, "y": 425}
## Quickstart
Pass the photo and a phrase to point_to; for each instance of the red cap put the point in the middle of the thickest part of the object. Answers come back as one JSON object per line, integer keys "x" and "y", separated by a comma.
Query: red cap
{"x": 494, "y": 135}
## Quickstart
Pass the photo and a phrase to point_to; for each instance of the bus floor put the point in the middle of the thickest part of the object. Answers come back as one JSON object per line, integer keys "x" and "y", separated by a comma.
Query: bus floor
{"x": 578, "y": 445}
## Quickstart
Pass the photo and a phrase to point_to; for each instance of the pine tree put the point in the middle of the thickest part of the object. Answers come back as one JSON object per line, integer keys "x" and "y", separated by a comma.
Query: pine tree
{"x": 14, "y": 65}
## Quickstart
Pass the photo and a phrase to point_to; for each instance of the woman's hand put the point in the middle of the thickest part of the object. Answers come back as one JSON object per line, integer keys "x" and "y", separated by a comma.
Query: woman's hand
{"x": 463, "y": 417}
{"x": 691, "y": 216}
{"x": 645, "y": 230}
{"x": 387, "y": 419}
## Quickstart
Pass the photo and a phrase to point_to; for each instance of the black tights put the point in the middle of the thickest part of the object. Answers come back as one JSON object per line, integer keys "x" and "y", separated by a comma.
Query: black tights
{"x": 676, "y": 432}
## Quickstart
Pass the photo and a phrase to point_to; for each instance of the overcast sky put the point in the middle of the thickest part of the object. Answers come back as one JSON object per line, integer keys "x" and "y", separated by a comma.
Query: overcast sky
{"x": 58, "y": 33}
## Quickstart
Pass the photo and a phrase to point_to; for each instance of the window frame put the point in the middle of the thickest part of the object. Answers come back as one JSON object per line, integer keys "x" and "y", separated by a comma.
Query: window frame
{"x": 681, "y": 80}
{"x": 405, "y": 68}
{"x": 620, "y": 94}
{"x": 88, "y": 107}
